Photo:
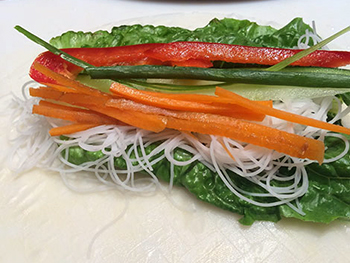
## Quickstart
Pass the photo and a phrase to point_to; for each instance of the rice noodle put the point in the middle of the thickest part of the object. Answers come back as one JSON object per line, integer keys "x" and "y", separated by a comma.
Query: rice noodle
{"x": 310, "y": 38}
{"x": 33, "y": 147}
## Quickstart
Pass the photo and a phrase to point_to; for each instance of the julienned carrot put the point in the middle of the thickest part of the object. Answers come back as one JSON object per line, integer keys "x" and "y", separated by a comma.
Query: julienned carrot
{"x": 155, "y": 123}
{"x": 64, "y": 81}
{"x": 71, "y": 113}
{"x": 156, "y": 119}
{"x": 72, "y": 128}
{"x": 202, "y": 98}
{"x": 130, "y": 105}
{"x": 45, "y": 93}
{"x": 61, "y": 88}
{"x": 281, "y": 141}
{"x": 291, "y": 117}
{"x": 60, "y": 106}
{"x": 77, "y": 99}
{"x": 138, "y": 119}
{"x": 133, "y": 106}
{"x": 212, "y": 104}
{"x": 256, "y": 134}
{"x": 204, "y": 123}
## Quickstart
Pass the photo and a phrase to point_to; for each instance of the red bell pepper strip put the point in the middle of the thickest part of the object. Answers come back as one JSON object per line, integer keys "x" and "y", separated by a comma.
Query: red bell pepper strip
{"x": 182, "y": 51}
{"x": 124, "y": 55}
{"x": 112, "y": 56}
{"x": 186, "y": 54}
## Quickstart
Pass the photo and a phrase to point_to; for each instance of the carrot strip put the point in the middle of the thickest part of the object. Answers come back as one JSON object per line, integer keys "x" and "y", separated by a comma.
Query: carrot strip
{"x": 60, "y": 106}
{"x": 97, "y": 104}
{"x": 257, "y": 134}
{"x": 130, "y": 106}
{"x": 45, "y": 93}
{"x": 72, "y": 128}
{"x": 202, "y": 98}
{"x": 61, "y": 88}
{"x": 64, "y": 81}
{"x": 279, "y": 113}
{"x": 71, "y": 113}
{"x": 281, "y": 141}
{"x": 141, "y": 120}
{"x": 166, "y": 102}
{"x": 70, "y": 98}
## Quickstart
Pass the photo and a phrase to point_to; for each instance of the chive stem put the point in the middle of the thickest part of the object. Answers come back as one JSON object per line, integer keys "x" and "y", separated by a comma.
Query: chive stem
{"x": 307, "y": 51}
{"x": 51, "y": 48}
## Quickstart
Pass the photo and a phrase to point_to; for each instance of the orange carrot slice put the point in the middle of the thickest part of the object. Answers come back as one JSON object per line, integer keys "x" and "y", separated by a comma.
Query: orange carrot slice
{"x": 130, "y": 105}
{"x": 287, "y": 143}
{"x": 45, "y": 93}
{"x": 212, "y": 104}
{"x": 291, "y": 144}
{"x": 61, "y": 88}
{"x": 97, "y": 104}
{"x": 155, "y": 123}
{"x": 291, "y": 117}
{"x": 70, "y": 98}
{"x": 72, "y": 128}
{"x": 60, "y": 106}
{"x": 71, "y": 113}
{"x": 64, "y": 81}
{"x": 202, "y": 98}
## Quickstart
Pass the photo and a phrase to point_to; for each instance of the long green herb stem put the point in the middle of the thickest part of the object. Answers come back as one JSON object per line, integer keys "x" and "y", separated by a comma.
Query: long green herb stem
{"x": 286, "y": 62}
{"x": 51, "y": 48}
{"x": 307, "y": 77}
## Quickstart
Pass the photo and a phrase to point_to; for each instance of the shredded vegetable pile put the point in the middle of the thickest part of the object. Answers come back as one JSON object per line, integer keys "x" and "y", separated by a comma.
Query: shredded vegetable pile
{"x": 262, "y": 159}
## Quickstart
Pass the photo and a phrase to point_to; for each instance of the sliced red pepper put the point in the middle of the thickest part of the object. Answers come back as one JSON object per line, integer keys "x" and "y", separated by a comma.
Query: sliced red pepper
{"x": 55, "y": 63}
{"x": 123, "y": 55}
{"x": 185, "y": 54}
{"x": 182, "y": 51}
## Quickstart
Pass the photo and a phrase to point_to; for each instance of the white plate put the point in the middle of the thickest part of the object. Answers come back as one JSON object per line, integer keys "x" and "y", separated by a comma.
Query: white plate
{"x": 42, "y": 221}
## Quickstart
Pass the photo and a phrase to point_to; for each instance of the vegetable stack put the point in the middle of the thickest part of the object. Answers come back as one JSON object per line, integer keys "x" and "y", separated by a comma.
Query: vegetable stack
{"x": 131, "y": 100}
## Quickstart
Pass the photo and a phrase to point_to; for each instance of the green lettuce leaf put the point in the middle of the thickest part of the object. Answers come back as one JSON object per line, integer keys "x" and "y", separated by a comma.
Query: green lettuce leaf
{"x": 227, "y": 30}
{"x": 327, "y": 199}
{"x": 328, "y": 195}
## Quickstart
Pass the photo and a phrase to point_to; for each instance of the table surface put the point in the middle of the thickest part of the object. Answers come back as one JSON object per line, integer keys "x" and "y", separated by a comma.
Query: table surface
{"x": 42, "y": 221}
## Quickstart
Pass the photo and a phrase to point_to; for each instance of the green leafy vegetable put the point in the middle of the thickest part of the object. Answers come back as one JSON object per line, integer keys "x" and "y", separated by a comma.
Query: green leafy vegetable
{"x": 227, "y": 30}
{"x": 327, "y": 199}
{"x": 328, "y": 196}
{"x": 345, "y": 98}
